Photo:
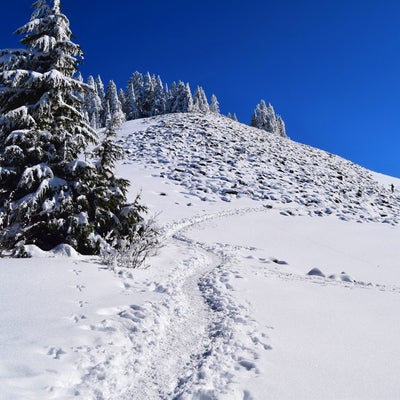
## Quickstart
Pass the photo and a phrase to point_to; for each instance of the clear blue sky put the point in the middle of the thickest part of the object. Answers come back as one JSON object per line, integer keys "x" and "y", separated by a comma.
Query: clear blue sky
{"x": 331, "y": 68}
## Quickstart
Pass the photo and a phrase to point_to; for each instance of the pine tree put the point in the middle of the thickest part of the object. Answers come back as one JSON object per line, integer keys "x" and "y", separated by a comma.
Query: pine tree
{"x": 47, "y": 193}
{"x": 233, "y": 117}
{"x": 132, "y": 111}
{"x": 182, "y": 100}
{"x": 214, "y": 106}
{"x": 93, "y": 104}
{"x": 113, "y": 219}
{"x": 264, "y": 117}
{"x": 281, "y": 126}
{"x": 134, "y": 95}
{"x": 122, "y": 100}
{"x": 160, "y": 97}
{"x": 148, "y": 102}
{"x": 102, "y": 95}
{"x": 115, "y": 106}
{"x": 200, "y": 103}
{"x": 171, "y": 94}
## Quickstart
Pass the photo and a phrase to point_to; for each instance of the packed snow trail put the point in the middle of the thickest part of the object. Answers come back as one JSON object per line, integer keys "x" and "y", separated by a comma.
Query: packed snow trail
{"x": 191, "y": 341}
{"x": 199, "y": 349}
{"x": 180, "y": 331}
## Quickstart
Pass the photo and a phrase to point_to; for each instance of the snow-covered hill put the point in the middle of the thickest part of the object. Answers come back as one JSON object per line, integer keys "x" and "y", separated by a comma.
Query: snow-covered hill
{"x": 215, "y": 157}
{"x": 254, "y": 295}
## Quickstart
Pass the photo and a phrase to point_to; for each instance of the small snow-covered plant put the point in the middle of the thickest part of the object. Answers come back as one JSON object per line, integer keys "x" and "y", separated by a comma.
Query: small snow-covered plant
{"x": 132, "y": 251}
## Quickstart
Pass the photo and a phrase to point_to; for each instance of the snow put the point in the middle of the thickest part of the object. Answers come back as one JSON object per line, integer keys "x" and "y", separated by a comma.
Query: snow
{"x": 227, "y": 308}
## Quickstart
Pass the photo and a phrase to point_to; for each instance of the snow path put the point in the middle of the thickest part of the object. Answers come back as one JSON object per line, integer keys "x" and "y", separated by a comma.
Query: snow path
{"x": 192, "y": 341}
{"x": 181, "y": 321}
{"x": 195, "y": 339}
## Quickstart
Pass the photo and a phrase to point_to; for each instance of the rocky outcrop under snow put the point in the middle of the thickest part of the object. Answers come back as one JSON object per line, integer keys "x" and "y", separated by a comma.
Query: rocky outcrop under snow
{"x": 214, "y": 157}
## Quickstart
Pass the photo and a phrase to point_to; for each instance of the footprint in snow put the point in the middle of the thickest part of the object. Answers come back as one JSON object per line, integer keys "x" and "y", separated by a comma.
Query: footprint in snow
{"x": 249, "y": 365}
{"x": 76, "y": 271}
{"x": 55, "y": 352}
{"x": 76, "y": 318}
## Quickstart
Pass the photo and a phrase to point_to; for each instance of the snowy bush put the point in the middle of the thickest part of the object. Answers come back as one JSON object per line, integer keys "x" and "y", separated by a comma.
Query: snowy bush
{"x": 133, "y": 252}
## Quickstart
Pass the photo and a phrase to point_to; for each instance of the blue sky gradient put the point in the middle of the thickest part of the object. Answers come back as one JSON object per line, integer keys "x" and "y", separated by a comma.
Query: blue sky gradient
{"x": 331, "y": 68}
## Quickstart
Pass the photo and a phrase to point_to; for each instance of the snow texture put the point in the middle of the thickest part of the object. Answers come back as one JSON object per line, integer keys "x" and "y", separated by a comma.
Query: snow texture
{"x": 214, "y": 157}
{"x": 251, "y": 296}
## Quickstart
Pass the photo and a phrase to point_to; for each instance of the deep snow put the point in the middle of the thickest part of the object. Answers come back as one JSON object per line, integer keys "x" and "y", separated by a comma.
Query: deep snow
{"x": 226, "y": 309}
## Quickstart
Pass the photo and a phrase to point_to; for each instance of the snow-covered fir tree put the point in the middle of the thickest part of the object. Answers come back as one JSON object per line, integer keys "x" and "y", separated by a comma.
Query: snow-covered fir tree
{"x": 114, "y": 106}
{"x": 146, "y": 96}
{"x": 230, "y": 116}
{"x": 200, "y": 102}
{"x": 114, "y": 219}
{"x": 47, "y": 192}
{"x": 214, "y": 105}
{"x": 170, "y": 95}
{"x": 93, "y": 104}
{"x": 281, "y": 126}
{"x": 160, "y": 97}
{"x": 182, "y": 100}
{"x": 132, "y": 111}
{"x": 148, "y": 102}
{"x": 134, "y": 96}
{"x": 122, "y": 100}
{"x": 102, "y": 95}
{"x": 264, "y": 118}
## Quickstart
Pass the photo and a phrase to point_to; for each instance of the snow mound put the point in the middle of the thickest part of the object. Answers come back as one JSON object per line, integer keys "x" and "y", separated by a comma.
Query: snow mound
{"x": 65, "y": 250}
{"x": 316, "y": 272}
{"x": 35, "y": 251}
{"x": 215, "y": 158}
{"x": 342, "y": 277}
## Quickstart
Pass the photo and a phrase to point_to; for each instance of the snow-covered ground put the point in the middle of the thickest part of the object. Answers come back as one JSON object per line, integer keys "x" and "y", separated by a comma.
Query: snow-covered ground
{"x": 227, "y": 309}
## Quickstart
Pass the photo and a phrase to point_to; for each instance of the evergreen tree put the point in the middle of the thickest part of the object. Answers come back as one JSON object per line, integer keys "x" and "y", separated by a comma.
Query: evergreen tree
{"x": 122, "y": 100}
{"x": 264, "y": 117}
{"x": 281, "y": 126}
{"x": 182, "y": 100}
{"x": 148, "y": 103}
{"x": 170, "y": 94}
{"x": 200, "y": 103}
{"x": 132, "y": 111}
{"x": 114, "y": 217}
{"x": 233, "y": 117}
{"x": 160, "y": 97}
{"x": 114, "y": 105}
{"x": 47, "y": 193}
{"x": 93, "y": 104}
{"x": 102, "y": 95}
{"x": 134, "y": 95}
{"x": 214, "y": 106}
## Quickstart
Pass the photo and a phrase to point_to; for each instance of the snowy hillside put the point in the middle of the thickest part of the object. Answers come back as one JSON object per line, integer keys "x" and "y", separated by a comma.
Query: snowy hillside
{"x": 214, "y": 157}
{"x": 267, "y": 286}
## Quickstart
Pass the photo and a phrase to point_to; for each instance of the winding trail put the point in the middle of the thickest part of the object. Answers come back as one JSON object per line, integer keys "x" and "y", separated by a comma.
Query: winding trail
{"x": 195, "y": 339}
{"x": 195, "y": 352}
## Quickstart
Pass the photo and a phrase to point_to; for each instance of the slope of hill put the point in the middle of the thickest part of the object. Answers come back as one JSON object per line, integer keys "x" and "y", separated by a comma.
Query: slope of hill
{"x": 241, "y": 302}
{"x": 215, "y": 157}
